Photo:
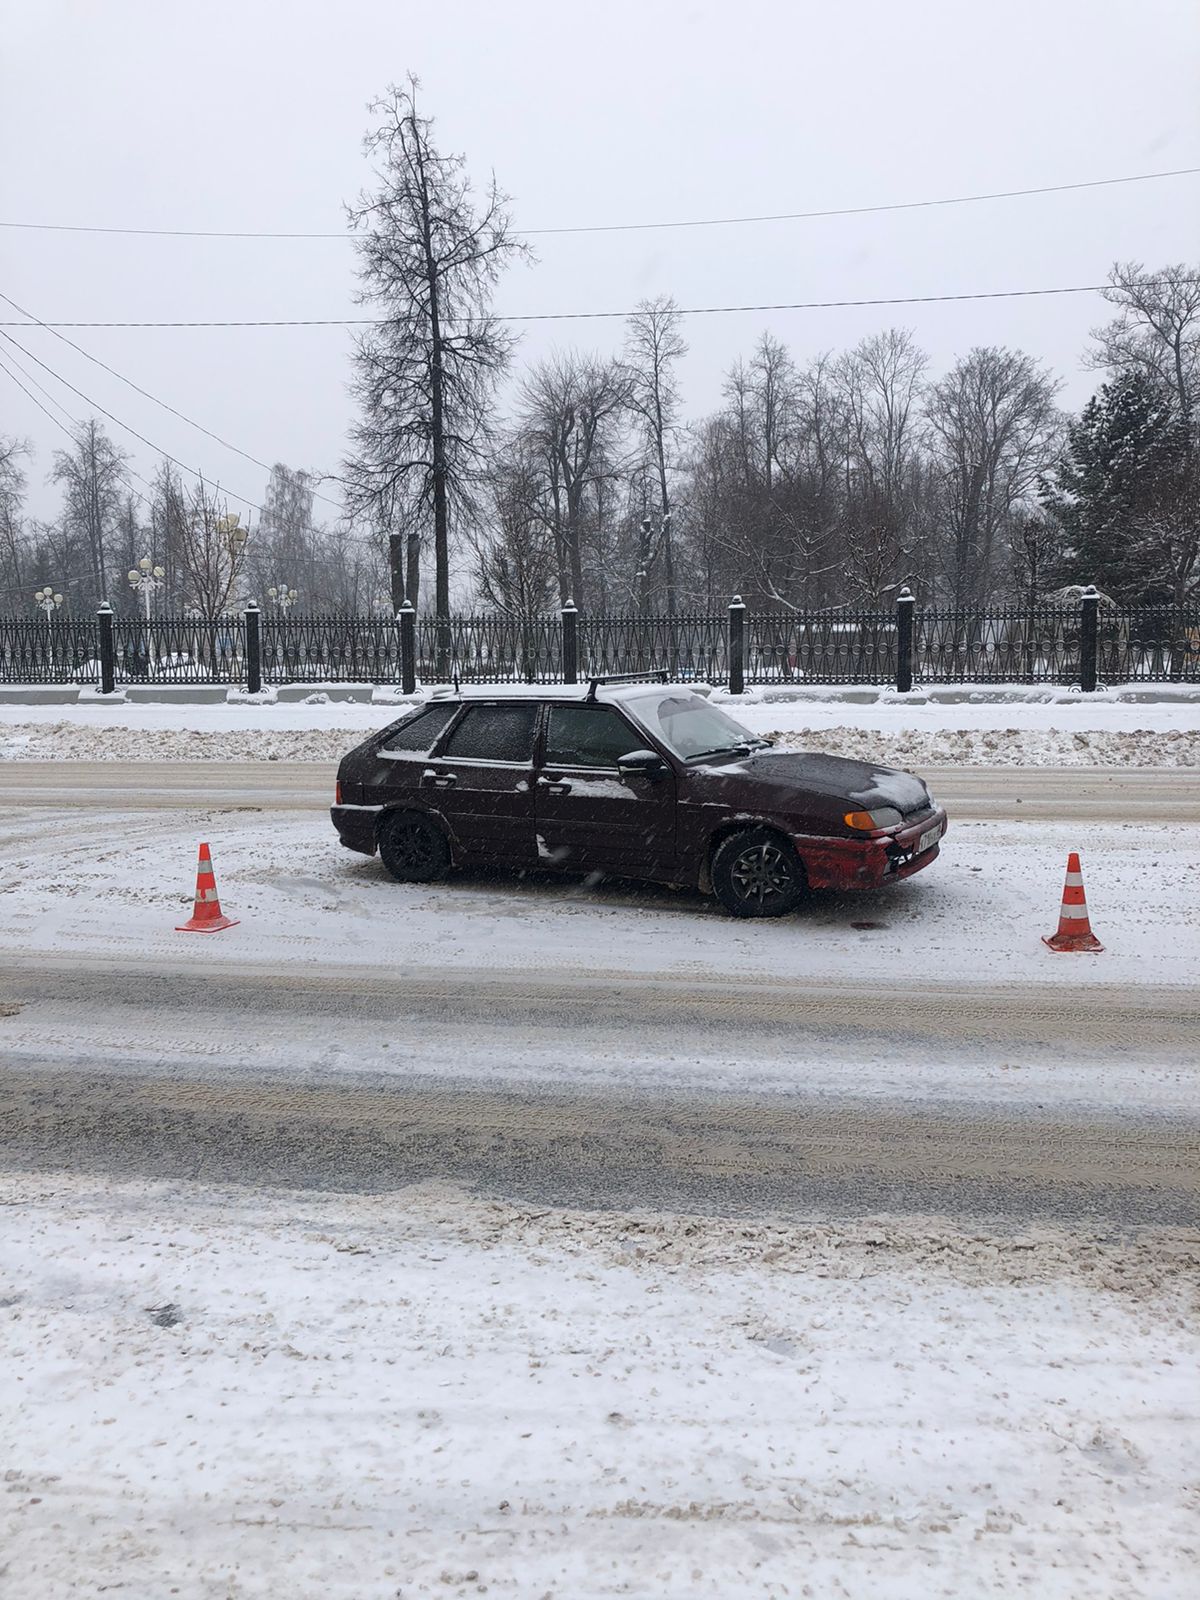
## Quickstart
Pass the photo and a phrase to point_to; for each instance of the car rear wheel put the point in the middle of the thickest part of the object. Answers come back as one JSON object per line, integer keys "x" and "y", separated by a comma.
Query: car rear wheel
{"x": 757, "y": 874}
{"x": 413, "y": 848}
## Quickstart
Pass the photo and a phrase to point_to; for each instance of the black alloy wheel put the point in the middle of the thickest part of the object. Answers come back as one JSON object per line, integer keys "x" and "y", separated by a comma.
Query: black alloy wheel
{"x": 757, "y": 874}
{"x": 413, "y": 848}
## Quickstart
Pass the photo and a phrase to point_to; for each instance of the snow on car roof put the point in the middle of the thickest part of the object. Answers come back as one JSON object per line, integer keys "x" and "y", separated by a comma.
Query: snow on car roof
{"x": 552, "y": 691}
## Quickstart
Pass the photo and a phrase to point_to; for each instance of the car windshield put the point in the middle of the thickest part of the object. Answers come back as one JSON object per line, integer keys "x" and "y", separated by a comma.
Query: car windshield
{"x": 690, "y": 727}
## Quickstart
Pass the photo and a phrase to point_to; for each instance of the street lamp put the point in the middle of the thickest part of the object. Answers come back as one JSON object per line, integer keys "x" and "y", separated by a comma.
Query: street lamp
{"x": 144, "y": 579}
{"x": 283, "y": 597}
{"x": 46, "y": 600}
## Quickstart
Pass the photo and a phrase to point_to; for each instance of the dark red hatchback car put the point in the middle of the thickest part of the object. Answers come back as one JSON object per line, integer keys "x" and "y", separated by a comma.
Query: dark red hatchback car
{"x": 634, "y": 779}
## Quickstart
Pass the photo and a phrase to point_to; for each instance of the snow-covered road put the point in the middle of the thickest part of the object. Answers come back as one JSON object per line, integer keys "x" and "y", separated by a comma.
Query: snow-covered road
{"x": 209, "y": 1392}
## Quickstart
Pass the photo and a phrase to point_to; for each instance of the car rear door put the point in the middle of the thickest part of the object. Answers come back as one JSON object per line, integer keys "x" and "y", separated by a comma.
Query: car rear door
{"x": 590, "y": 815}
{"x": 481, "y": 782}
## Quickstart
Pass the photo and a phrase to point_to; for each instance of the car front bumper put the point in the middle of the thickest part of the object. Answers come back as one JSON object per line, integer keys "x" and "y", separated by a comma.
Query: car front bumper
{"x": 873, "y": 861}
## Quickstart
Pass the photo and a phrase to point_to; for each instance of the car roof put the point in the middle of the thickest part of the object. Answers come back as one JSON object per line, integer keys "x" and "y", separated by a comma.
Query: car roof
{"x": 611, "y": 692}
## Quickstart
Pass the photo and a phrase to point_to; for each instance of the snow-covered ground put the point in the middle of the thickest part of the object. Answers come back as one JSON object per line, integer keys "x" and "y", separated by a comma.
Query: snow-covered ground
{"x": 213, "y": 1393}
{"x": 1040, "y": 729}
{"x": 118, "y": 883}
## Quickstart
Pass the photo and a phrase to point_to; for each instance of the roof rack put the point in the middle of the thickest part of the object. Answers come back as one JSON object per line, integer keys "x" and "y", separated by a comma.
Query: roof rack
{"x": 659, "y": 675}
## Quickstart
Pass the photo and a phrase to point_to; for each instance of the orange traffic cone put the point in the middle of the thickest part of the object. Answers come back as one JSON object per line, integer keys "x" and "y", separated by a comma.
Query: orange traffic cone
{"x": 206, "y": 913}
{"x": 1074, "y": 928}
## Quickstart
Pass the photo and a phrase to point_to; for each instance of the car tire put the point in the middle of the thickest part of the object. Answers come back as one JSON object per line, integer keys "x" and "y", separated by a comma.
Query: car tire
{"x": 756, "y": 873}
{"x": 413, "y": 848}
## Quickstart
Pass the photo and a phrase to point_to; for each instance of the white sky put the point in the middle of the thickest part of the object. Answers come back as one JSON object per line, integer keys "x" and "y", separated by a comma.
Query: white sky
{"x": 249, "y": 116}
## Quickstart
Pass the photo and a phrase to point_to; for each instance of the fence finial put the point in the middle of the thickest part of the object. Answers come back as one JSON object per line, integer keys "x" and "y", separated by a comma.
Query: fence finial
{"x": 569, "y": 605}
{"x": 906, "y": 597}
{"x": 737, "y": 603}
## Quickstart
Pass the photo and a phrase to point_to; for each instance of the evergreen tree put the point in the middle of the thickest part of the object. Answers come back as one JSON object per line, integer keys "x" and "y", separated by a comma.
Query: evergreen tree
{"x": 1129, "y": 441}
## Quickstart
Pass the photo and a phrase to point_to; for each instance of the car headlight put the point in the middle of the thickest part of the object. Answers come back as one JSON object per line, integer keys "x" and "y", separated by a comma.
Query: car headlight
{"x": 868, "y": 821}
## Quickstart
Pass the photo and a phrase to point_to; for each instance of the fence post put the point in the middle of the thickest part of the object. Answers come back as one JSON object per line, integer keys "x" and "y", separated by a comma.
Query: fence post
{"x": 737, "y": 645}
{"x": 407, "y": 618}
{"x": 253, "y": 650}
{"x": 570, "y": 643}
{"x": 108, "y": 650}
{"x": 905, "y": 604}
{"x": 1089, "y": 607}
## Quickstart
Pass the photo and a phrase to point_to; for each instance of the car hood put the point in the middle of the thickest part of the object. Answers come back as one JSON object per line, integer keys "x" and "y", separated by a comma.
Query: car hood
{"x": 784, "y": 774}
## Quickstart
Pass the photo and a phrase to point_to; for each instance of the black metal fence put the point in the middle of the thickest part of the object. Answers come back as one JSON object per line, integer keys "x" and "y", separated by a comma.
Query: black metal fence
{"x": 1085, "y": 643}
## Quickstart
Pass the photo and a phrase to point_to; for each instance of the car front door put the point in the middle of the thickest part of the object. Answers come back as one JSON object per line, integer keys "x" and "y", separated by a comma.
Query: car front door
{"x": 481, "y": 782}
{"x": 589, "y": 814}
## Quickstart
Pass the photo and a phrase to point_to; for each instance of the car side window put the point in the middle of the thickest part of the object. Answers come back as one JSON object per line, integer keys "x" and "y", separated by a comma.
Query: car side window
{"x": 494, "y": 733}
{"x": 419, "y": 734}
{"x": 589, "y": 736}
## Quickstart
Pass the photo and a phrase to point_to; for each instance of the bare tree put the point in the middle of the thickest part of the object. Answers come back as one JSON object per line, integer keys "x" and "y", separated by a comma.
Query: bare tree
{"x": 516, "y": 560}
{"x": 1156, "y": 330}
{"x": 212, "y": 546}
{"x": 992, "y": 429}
{"x": 425, "y": 379}
{"x": 12, "y": 531}
{"x": 570, "y": 409}
{"x": 93, "y": 480}
{"x": 879, "y": 385}
{"x": 653, "y": 346}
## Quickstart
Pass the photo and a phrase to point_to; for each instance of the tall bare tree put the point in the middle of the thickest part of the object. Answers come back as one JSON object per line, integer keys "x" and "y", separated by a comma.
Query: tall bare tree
{"x": 570, "y": 410}
{"x": 93, "y": 479}
{"x": 517, "y": 566}
{"x": 993, "y": 430}
{"x": 653, "y": 347}
{"x": 879, "y": 382}
{"x": 12, "y": 532}
{"x": 1156, "y": 330}
{"x": 424, "y": 380}
{"x": 212, "y": 545}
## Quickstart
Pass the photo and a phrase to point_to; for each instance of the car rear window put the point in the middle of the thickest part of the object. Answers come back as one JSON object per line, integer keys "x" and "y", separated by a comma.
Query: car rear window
{"x": 494, "y": 733}
{"x": 419, "y": 733}
{"x": 589, "y": 736}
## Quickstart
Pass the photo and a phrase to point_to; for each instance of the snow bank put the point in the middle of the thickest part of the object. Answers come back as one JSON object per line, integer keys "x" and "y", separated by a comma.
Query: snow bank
{"x": 1071, "y": 732}
{"x": 209, "y": 1392}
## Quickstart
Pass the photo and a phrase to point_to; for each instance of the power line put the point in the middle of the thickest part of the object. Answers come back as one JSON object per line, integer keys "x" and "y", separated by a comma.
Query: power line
{"x": 583, "y": 316}
{"x": 41, "y": 388}
{"x": 73, "y": 421}
{"x": 57, "y": 421}
{"x": 637, "y": 227}
{"x": 116, "y": 421}
{"x": 37, "y": 322}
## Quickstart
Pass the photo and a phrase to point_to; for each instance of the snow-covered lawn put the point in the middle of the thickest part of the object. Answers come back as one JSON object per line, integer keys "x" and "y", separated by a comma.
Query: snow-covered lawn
{"x": 118, "y": 883}
{"x": 980, "y": 730}
{"x": 211, "y": 1394}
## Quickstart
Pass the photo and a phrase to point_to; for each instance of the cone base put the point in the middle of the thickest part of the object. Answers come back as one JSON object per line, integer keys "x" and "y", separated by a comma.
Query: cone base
{"x": 213, "y": 926}
{"x": 1062, "y": 943}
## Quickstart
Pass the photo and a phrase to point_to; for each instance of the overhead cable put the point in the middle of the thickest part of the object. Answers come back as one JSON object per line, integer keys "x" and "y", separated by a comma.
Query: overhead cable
{"x": 584, "y": 316}
{"x": 637, "y": 227}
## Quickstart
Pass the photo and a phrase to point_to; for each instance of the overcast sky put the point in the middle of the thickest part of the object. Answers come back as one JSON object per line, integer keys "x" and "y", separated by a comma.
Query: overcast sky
{"x": 249, "y": 115}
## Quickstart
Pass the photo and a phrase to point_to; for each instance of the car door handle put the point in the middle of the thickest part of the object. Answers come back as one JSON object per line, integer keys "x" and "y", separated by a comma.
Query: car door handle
{"x": 554, "y": 785}
{"x": 438, "y": 780}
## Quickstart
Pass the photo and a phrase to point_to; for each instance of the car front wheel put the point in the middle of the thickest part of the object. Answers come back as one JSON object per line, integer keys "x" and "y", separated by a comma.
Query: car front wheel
{"x": 413, "y": 848}
{"x": 757, "y": 874}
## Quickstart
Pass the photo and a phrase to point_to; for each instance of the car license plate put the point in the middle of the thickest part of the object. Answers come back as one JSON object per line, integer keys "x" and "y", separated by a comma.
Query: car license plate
{"x": 929, "y": 838}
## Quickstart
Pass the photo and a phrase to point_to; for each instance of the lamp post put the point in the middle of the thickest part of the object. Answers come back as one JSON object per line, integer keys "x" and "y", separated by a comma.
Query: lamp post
{"x": 47, "y": 601}
{"x": 283, "y": 597}
{"x": 144, "y": 579}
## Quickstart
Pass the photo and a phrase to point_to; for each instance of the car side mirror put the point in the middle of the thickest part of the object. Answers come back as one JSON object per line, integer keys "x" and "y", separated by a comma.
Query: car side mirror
{"x": 641, "y": 764}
